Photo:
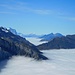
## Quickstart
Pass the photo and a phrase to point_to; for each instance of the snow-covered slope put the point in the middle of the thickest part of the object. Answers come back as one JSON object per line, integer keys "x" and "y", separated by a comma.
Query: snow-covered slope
{"x": 62, "y": 62}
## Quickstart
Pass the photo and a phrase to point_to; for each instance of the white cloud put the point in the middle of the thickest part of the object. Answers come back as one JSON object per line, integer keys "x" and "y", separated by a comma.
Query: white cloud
{"x": 62, "y": 62}
{"x": 41, "y": 11}
{"x": 20, "y": 6}
{"x": 36, "y": 41}
{"x": 24, "y": 7}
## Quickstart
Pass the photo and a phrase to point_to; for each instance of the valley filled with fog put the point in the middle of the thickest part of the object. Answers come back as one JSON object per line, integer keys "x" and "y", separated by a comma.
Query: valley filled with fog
{"x": 37, "y": 37}
{"x": 61, "y": 62}
{"x": 35, "y": 41}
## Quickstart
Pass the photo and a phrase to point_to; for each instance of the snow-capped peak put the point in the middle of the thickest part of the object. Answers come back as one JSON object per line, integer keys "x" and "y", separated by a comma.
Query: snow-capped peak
{"x": 12, "y": 30}
{"x": 4, "y": 29}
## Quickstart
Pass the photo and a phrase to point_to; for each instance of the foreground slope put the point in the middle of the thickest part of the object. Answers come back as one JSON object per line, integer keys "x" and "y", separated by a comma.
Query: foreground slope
{"x": 11, "y": 44}
{"x": 67, "y": 42}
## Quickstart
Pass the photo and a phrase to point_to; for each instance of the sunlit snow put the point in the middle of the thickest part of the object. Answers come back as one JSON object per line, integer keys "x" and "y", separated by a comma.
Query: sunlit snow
{"x": 5, "y": 30}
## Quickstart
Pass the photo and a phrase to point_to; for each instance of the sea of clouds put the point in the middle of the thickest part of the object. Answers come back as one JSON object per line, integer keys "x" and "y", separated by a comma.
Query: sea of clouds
{"x": 36, "y": 41}
{"x": 61, "y": 62}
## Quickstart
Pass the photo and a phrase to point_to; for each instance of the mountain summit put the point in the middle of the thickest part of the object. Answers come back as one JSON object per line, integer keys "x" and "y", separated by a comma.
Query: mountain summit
{"x": 50, "y": 36}
{"x": 65, "y": 42}
{"x": 11, "y": 44}
{"x": 45, "y": 37}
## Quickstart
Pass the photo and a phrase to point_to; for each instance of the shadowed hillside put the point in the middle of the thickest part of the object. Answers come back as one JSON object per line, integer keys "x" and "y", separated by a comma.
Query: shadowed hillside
{"x": 11, "y": 44}
{"x": 67, "y": 42}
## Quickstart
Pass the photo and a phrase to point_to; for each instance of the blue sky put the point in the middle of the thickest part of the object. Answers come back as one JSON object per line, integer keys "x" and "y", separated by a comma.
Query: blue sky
{"x": 38, "y": 16}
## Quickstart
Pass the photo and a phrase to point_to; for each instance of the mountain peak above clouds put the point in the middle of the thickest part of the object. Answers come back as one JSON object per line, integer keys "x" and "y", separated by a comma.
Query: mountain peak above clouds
{"x": 65, "y": 42}
{"x": 11, "y": 45}
{"x": 50, "y": 36}
{"x": 45, "y": 36}
{"x": 23, "y": 35}
{"x": 4, "y": 29}
{"x": 12, "y": 30}
{"x": 39, "y": 39}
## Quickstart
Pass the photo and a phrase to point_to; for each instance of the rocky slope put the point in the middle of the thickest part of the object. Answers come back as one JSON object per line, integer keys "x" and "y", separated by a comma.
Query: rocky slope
{"x": 11, "y": 44}
{"x": 67, "y": 42}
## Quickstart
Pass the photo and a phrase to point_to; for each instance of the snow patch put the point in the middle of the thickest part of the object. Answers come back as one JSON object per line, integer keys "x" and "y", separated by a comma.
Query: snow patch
{"x": 5, "y": 30}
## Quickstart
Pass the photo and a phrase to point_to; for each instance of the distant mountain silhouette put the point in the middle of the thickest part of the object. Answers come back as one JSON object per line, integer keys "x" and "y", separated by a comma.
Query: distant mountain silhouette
{"x": 65, "y": 42}
{"x": 50, "y": 36}
{"x": 11, "y": 44}
{"x": 23, "y": 35}
{"x": 45, "y": 37}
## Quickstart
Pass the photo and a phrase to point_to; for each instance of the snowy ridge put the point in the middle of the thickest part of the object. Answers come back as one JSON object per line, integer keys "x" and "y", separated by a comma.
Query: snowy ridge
{"x": 4, "y": 29}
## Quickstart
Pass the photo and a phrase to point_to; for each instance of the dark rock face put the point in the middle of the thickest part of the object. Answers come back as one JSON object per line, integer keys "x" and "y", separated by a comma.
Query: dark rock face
{"x": 67, "y": 42}
{"x": 11, "y": 44}
{"x": 4, "y": 54}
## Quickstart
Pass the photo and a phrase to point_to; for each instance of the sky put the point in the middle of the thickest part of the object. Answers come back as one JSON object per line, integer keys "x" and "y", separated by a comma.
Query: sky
{"x": 38, "y": 16}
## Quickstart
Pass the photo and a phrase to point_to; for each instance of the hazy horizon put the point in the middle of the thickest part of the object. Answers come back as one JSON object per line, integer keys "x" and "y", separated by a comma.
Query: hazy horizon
{"x": 37, "y": 34}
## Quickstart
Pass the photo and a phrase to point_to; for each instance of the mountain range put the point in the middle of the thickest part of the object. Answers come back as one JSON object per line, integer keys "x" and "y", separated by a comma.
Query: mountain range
{"x": 50, "y": 36}
{"x": 64, "y": 42}
{"x": 55, "y": 41}
{"x": 23, "y": 35}
{"x": 44, "y": 37}
{"x": 11, "y": 44}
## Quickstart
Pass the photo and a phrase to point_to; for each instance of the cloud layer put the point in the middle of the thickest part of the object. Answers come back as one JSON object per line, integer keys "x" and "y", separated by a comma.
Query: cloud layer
{"x": 62, "y": 62}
